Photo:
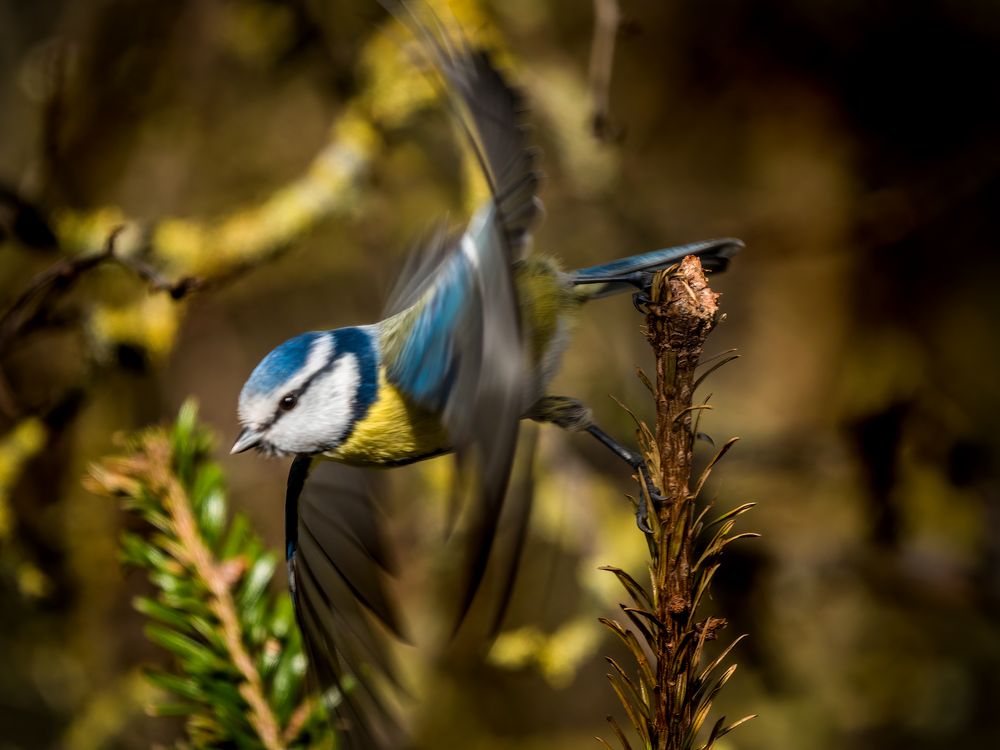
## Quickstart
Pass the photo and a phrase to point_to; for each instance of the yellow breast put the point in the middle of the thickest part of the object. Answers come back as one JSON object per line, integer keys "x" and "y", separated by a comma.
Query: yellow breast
{"x": 394, "y": 431}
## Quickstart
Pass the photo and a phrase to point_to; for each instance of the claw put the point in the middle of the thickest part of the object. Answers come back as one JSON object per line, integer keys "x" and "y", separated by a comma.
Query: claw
{"x": 639, "y": 466}
{"x": 643, "y": 281}
{"x": 642, "y": 509}
{"x": 640, "y": 300}
{"x": 642, "y": 517}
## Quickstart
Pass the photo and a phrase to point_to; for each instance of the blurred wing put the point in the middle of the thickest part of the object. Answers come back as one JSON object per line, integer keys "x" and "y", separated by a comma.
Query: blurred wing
{"x": 458, "y": 351}
{"x": 419, "y": 272}
{"x": 487, "y": 613}
{"x": 336, "y": 566}
{"x": 491, "y": 114}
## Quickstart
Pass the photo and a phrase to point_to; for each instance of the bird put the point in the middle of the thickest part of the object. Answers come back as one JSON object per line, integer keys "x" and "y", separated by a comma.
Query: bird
{"x": 471, "y": 340}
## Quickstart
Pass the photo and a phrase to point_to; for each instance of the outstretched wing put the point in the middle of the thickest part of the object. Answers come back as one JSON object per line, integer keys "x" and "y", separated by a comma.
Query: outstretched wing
{"x": 457, "y": 349}
{"x": 337, "y": 563}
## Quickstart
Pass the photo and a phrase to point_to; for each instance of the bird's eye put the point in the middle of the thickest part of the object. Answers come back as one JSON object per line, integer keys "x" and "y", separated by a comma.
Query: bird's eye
{"x": 288, "y": 402}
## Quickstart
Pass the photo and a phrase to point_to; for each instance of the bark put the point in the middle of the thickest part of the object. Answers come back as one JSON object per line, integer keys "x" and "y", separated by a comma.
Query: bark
{"x": 682, "y": 312}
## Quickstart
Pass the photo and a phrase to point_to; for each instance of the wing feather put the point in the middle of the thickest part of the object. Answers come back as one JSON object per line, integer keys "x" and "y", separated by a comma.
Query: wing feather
{"x": 336, "y": 561}
{"x": 454, "y": 347}
{"x": 458, "y": 349}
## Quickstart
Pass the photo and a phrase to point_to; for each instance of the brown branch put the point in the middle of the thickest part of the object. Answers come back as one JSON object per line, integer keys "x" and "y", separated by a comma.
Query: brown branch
{"x": 36, "y": 295}
{"x": 298, "y": 721}
{"x": 682, "y": 313}
{"x": 176, "y": 288}
{"x": 192, "y": 551}
{"x": 40, "y": 293}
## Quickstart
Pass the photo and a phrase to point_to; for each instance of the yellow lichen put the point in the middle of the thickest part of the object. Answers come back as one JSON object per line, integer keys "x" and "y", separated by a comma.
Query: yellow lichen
{"x": 557, "y": 656}
{"x": 17, "y": 447}
{"x": 150, "y": 324}
{"x": 396, "y": 85}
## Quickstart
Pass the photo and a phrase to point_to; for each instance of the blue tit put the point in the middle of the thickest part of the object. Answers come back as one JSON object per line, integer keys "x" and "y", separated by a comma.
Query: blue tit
{"x": 471, "y": 341}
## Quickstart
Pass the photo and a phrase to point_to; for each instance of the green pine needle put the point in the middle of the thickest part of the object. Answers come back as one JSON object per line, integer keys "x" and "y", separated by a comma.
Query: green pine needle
{"x": 236, "y": 670}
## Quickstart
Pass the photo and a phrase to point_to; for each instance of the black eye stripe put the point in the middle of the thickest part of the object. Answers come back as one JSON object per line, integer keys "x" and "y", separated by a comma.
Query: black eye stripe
{"x": 346, "y": 341}
{"x": 297, "y": 393}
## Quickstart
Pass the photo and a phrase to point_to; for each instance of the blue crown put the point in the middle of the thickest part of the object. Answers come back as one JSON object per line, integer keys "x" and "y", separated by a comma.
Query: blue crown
{"x": 281, "y": 363}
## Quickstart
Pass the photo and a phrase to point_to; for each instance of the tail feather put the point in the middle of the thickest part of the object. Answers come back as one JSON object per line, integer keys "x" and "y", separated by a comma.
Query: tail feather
{"x": 614, "y": 277}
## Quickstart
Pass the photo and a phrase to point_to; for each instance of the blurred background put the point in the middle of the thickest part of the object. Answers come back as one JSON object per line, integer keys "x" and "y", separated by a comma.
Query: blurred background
{"x": 289, "y": 152}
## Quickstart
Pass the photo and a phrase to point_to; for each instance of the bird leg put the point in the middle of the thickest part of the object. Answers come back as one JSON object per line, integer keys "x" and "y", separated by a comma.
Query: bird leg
{"x": 573, "y": 415}
{"x": 638, "y": 465}
{"x": 641, "y": 280}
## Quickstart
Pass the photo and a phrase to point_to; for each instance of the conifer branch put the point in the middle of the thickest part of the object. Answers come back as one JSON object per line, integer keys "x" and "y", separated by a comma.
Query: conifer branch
{"x": 216, "y": 577}
{"x": 239, "y": 669}
{"x": 669, "y": 696}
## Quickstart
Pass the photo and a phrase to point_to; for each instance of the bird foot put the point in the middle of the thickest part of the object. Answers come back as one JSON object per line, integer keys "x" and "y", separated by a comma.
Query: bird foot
{"x": 656, "y": 499}
{"x": 641, "y": 301}
{"x": 643, "y": 281}
{"x": 638, "y": 465}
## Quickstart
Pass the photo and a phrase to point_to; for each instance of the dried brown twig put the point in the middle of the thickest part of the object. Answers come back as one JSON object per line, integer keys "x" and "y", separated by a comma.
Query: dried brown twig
{"x": 34, "y": 307}
{"x": 671, "y": 693}
{"x": 40, "y": 293}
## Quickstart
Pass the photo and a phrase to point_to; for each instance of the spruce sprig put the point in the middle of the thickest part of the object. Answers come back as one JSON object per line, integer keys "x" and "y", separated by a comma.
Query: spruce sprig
{"x": 237, "y": 672}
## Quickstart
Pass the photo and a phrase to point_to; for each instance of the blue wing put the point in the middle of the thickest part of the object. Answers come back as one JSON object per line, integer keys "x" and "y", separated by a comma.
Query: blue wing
{"x": 455, "y": 346}
{"x": 456, "y": 336}
{"x": 437, "y": 352}
{"x": 337, "y": 562}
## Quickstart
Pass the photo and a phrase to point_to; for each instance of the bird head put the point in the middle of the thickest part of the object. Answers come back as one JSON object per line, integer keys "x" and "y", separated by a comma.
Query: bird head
{"x": 306, "y": 395}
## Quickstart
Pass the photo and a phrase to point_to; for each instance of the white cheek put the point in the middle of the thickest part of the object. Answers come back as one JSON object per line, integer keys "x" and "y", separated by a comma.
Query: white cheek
{"x": 323, "y": 414}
